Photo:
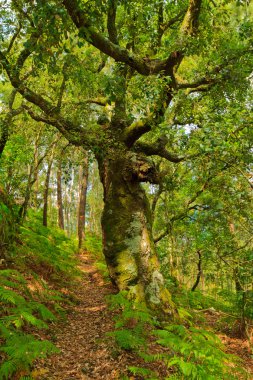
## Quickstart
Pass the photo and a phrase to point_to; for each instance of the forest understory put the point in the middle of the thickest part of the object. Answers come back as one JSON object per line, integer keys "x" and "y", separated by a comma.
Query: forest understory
{"x": 62, "y": 319}
{"x": 86, "y": 351}
{"x": 126, "y": 177}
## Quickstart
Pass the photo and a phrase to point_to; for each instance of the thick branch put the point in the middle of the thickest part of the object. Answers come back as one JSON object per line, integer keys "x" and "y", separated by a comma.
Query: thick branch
{"x": 160, "y": 29}
{"x": 87, "y": 31}
{"x": 71, "y": 131}
{"x": 135, "y": 131}
{"x": 158, "y": 149}
{"x": 26, "y": 52}
{"x": 61, "y": 125}
{"x": 190, "y": 22}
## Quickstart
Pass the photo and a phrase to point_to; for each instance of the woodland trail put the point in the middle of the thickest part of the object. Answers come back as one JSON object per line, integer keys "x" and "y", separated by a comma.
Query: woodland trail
{"x": 85, "y": 352}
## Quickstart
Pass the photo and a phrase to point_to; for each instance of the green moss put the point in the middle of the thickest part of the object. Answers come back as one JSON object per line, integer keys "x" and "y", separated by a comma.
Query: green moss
{"x": 126, "y": 269}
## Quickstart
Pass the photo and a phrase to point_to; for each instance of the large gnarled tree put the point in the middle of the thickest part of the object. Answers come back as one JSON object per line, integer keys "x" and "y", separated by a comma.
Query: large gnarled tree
{"x": 167, "y": 48}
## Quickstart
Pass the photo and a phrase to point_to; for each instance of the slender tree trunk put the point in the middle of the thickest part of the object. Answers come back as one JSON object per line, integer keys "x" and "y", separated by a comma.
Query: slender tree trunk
{"x": 66, "y": 213}
{"x": 23, "y": 209}
{"x": 59, "y": 196}
{"x": 36, "y": 174}
{"x": 83, "y": 183}
{"x": 127, "y": 233}
{"x": 199, "y": 272}
{"x": 32, "y": 178}
{"x": 46, "y": 189}
{"x": 241, "y": 294}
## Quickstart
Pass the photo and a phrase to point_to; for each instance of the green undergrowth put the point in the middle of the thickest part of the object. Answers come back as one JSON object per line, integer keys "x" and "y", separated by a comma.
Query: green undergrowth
{"x": 186, "y": 350}
{"x": 43, "y": 261}
{"x": 93, "y": 244}
{"x": 7, "y": 225}
{"x": 47, "y": 251}
{"x": 198, "y": 301}
{"x": 232, "y": 309}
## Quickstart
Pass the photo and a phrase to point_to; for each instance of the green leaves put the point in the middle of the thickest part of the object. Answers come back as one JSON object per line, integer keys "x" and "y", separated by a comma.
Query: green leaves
{"x": 17, "y": 311}
{"x": 21, "y": 351}
{"x": 197, "y": 352}
{"x": 192, "y": 352}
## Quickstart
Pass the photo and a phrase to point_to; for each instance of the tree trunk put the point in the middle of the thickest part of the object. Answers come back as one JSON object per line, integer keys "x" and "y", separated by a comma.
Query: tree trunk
{"x": 199, "y": 272}
{"x": 127, "y": 232}
{"x": 83, "y": 182}
{"x": 36, "y": 174}
{"x": 23, "y": 208}
{"x": 59, "y": 197}
{"x": 46, "y": 189}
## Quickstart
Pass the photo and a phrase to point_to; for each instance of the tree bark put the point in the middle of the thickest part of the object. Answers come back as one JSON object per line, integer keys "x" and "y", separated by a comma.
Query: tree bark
{"x": 23, "y": 208}
{"x": 199, "y": 272}
{"x": 59, "y": 196}
{"x": 83, "y": 183}
{"x": 46, "y": 189}
{"x": 127, "y": 232}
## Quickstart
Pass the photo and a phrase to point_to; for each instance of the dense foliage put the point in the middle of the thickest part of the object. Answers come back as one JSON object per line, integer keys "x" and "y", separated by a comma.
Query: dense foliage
{"x": 139, "y": 114}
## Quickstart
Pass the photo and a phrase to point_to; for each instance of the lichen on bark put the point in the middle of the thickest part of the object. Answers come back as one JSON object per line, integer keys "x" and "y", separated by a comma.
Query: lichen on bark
{"x": 127, "y": 232}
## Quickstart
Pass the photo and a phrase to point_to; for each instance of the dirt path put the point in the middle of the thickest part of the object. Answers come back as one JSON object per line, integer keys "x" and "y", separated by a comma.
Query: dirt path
{"x": 84, "y": 352}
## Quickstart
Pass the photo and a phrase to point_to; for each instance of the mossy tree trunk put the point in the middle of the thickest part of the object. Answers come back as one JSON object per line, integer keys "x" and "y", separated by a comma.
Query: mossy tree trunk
{"x": 127, "y": 229}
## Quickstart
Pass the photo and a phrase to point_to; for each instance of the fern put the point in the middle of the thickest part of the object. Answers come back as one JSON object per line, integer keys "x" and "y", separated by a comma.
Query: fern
{"x": 197, "y": 353}
{"x": 21, "y": 351}
{"x": 144, "y": 372}
{"x": 131, "y": 330}
{"x": 9, "y": 296}
{"x": 191, "y": 352}
{"x": 128, "y": 339}
{"x": 21, "y": 307}
{"x": 18, "y": 308}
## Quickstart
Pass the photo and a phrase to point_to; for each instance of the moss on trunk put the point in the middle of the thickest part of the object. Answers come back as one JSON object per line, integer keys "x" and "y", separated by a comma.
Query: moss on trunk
{"x": 127, "y": 235}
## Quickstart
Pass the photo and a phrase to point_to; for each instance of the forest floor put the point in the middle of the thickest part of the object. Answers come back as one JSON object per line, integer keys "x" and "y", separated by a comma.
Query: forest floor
{"x": 86, "y": 353}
